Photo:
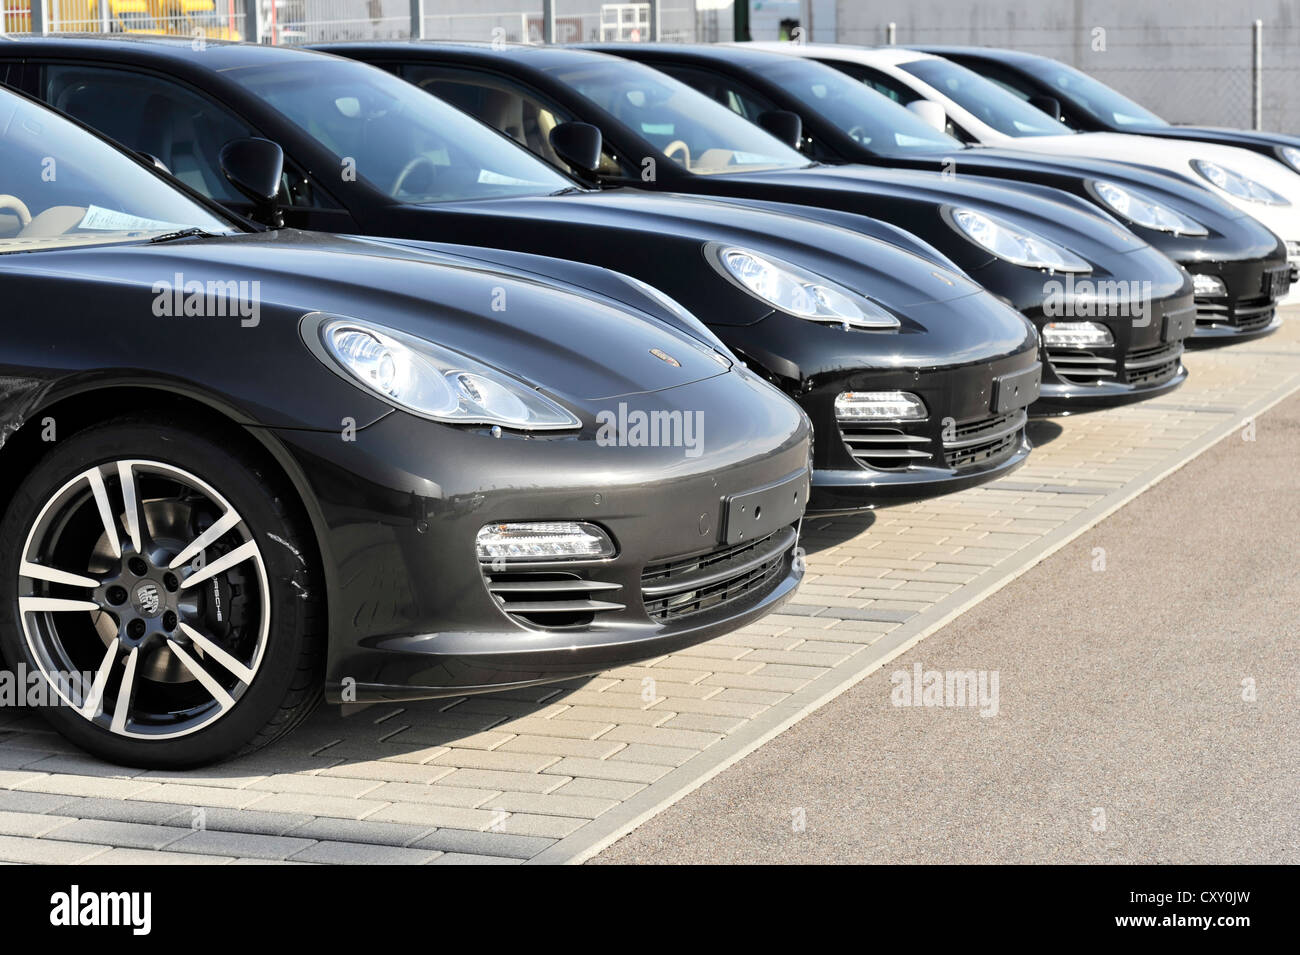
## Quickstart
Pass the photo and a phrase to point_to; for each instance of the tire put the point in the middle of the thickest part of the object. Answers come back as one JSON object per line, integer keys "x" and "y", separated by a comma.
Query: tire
{"x": 212, "y": 655}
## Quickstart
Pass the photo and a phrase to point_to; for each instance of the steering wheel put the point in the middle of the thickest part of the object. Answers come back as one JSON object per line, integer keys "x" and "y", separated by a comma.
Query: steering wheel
{"x": 409, "y": 168}
{"x": 677, "y": 146}
{"x": 859, "y": 135}
{"x": 19, "y": 207}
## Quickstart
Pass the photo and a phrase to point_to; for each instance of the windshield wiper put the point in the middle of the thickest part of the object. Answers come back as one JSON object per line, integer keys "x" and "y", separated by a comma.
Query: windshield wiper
{"x": 192, "y": 233}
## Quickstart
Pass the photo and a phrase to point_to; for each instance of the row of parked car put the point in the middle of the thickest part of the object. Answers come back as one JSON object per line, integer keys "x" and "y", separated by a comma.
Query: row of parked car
{"x": 398, "y": 370}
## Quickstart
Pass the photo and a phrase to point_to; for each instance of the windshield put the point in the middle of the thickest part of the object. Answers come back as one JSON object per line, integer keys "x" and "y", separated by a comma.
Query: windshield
{"x": 701, "y": 136}
{"x": 985, "y": 100}
{"x": 871, "y": 119}
{"x": 62, "y": 187}
{"x": 1093, "y": 96}
{"x": 399, "y": 139}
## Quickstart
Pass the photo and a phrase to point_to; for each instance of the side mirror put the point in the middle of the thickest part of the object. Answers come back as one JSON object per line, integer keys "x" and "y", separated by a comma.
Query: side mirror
{"x": 255, "y": 167}
{"x": 579, "y": 145}
{"x": 933, "y": 113}
{"x": 784, "y": 125}
{"x": 1048, "y": 104}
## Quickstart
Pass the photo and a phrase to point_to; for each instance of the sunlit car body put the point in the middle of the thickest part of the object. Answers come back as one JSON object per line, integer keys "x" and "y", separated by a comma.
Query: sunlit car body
{"x": 700, "y": 147}
{"x": 371, "y": 154}
{"x": 1085, "y": 103}
{"x": 237, "y": 467}
{"x": 980, "y": 111}
{"x": 1240, "y": 267}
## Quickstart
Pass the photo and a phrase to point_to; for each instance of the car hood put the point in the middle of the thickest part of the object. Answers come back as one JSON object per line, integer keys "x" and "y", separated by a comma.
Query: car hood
{"x": 554, "y": 336}
{"x": 1176, "y": 156}
{"x": 1150, "y": 180}
{"x": 1065, "y": 218}
{"x": 630, "y": 222}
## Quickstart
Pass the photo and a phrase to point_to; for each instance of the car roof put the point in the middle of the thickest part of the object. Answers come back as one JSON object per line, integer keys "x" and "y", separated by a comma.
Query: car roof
{"x": 745, "y": 54}
{"x": 531, "y": 55}
{"x": 1000, "y": 54}
{"x": 870, "y": 55}
{"x": 178, "y": 50}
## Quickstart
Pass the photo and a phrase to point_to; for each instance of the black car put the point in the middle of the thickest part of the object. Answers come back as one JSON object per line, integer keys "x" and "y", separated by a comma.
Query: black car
{"x": 1239, "y": 267}
{"x": 240, "y": 466}
{"x": 916, "y": 380}
{"x": 1087, "y": 104}
{"x": 1112, "y": 311}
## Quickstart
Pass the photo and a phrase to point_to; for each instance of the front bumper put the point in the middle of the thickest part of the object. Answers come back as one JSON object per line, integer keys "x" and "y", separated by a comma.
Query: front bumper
{"x": 968, "y": 438}
{"x": 1249, "y": 309}
{"x": 1144, "y": 361}
{"x": 414, "y": 614}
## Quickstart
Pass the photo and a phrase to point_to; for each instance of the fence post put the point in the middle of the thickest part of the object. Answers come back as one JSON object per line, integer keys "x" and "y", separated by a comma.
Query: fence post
{"x": 548, "y": 21}
{"x": 654, "y": 21}
{"x": 39, "y": 27}
{"x": 891, "y": 34}
{"x": 253, "y": 20}
{"x": 417, "y": 19}
{"x": 1257, "y": 76}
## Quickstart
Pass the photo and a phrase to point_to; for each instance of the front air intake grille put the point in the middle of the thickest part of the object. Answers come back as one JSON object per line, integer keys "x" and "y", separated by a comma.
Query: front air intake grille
{"x": 553, "y": 600}
{"x": 1151, "y": 366}
{"x": 1244, "y": 316}
{"x": 888, "y": 448}
{"x": 1079, "y": 367}
{"x": 986, "y": 441}
{"x": 690, "y": 585}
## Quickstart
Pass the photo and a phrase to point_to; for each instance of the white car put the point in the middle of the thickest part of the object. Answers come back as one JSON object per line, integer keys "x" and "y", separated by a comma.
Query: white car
{"x": 980, "y": 111}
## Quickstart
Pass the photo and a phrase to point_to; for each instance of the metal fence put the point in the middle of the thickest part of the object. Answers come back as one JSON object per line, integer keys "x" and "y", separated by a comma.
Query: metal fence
{"x": 1192, "y": 64}
{"x": 310, "y": 21}
{"x": 1201, "y": 74}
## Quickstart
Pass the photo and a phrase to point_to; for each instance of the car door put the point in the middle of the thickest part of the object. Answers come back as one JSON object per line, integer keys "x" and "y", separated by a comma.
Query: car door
{"x": 180, "y": 126}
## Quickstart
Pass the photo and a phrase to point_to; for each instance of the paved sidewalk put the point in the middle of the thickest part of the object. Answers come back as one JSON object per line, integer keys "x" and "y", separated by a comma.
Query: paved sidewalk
{"x": 1147, "y": 706}
{"x": 554, "y": 774}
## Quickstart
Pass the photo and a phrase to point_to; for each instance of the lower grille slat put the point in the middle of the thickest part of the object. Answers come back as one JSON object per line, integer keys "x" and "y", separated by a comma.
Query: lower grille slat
{"x": 678, "y": 588}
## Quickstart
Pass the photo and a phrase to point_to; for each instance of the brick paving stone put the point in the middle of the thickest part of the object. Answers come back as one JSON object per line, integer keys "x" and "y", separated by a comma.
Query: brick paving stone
{"x": 356, "y": 853}
{"x": 360, "y": 830}
{"x": 130, "y": 835}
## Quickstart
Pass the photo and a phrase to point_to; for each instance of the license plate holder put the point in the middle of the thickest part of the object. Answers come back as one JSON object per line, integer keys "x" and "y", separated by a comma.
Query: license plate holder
{"x": 757, "y": 513}
{"x": 1179, "y": 325}
{"x": 1277, "y": 281}
{"x": 1017, "y": 389}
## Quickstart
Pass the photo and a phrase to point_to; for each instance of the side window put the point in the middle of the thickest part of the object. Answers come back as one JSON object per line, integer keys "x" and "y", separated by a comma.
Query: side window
{"x": 880, "y": 82}
{"x": 164, "y": 119}
{"x": 507, "y": 107}
{"x": 900, "y": 93}
{"x": 11, "y": 73}
{"x": 736, "y": 96}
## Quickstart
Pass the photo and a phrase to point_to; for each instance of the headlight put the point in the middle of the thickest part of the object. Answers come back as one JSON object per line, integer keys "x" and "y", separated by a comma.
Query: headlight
{"x": 1291, "y": 156}
{"x": 1016, "y": 245}
{"x": 802, "y": 293}
{"x": 1235, "y": 184}
{"x": 435, "y": 382}
{"x": 542, "y": 540}
{"x": 1142, "y": 210}
{"x": 1076, "y": 335}
{"x": 1208, "y": 285}
{"x": 879, "y": 406}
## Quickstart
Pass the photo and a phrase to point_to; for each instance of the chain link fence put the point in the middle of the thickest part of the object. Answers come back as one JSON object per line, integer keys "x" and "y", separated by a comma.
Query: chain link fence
{"x": 1190, "y": 64}
{"x": 314, "y": 21}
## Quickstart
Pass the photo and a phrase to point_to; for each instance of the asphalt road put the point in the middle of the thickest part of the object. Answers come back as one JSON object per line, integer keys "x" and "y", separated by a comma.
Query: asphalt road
{"x": 1147, "y": 712}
